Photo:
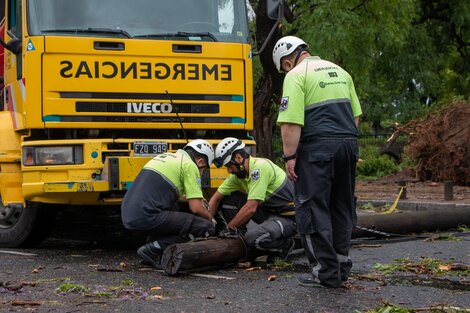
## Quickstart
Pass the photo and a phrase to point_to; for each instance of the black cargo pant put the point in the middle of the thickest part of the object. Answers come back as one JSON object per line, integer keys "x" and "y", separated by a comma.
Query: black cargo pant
{"x": 325, "y": 206}
{"x": 150, "y": 207}
{"x": 176, "y": 227}
{"x": 271, "y": 232}
{"x": 272, "y": 235}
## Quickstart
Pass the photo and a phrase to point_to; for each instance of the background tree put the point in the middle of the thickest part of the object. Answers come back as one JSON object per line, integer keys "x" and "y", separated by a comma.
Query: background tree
{"x": 404, "y": 56}
{"x": 266, "y": 83}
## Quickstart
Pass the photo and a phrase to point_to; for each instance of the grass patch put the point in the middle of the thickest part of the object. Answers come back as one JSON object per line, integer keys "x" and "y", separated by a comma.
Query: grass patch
{"x": 69, "y": 287}
{"x": 387, "y": 307}
{"x": 370, "y": 207}
{"x": 127, "y": 290}
{"x": 128, "y": 282}
{"x": 427, "y": 266}
{"x": 445, "y": 237}
{"x": 463, "y": 228}
{"x": 280, "y": 265}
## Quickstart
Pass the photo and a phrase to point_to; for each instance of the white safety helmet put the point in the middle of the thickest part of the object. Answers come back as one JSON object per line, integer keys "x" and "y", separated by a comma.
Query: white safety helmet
{"x": 225, "y": 149}
{"x": 202, "y": 147}
{"x": 285, "y": 46}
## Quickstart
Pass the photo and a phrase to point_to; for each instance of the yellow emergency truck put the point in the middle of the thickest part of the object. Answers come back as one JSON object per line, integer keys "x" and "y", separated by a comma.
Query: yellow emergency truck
{"x": 94, "y": 88}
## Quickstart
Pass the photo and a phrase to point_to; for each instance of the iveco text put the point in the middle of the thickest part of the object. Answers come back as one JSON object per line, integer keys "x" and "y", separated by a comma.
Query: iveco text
{"x": 148, "y": 107}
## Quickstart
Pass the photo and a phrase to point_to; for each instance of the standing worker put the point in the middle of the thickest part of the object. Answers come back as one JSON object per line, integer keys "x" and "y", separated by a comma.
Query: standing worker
{"x": 150, "y": 205}
{"x": 318, "y": 115}
{"x": 270, "y": 199}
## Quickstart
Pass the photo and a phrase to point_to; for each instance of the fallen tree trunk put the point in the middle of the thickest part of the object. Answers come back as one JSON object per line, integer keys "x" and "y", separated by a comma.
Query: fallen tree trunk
{"x": 405, "y": 222}
{"x": 201, "y": 254}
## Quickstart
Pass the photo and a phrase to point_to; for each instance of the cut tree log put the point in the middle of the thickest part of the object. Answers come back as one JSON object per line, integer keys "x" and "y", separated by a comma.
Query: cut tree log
{"x": 405, "y": 222}
{"x": 202, "y": 254}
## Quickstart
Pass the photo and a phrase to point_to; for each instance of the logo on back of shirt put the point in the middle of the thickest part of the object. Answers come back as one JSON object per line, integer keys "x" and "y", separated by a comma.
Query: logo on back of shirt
{"x": 284, "y": 104}
{"x": 255, "y": 175}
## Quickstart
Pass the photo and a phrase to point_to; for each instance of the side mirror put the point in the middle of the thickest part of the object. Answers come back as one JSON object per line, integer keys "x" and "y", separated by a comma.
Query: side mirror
{"x": 14, "y": 46}
{"x": 275, "y": 9}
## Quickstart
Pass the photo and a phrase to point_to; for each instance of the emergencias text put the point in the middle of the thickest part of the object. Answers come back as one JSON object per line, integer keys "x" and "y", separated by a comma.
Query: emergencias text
{"x": 145, "y": 70}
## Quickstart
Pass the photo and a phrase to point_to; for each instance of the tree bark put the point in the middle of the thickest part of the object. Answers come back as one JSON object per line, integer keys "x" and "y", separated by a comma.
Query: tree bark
{"x": 406, "y": 222}
{"x": 197, "y": 255}
{"x": 268, "y": 88}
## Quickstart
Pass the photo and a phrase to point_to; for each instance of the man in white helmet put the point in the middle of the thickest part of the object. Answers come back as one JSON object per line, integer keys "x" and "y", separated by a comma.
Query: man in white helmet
{"x": 150, "y": 204}
{"x": 318, "y": 115}
{"x": 270, "y": 197}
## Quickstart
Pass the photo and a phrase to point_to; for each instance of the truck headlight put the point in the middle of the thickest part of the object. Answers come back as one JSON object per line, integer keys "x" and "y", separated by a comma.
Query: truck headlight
{"x": 56, "y": 155}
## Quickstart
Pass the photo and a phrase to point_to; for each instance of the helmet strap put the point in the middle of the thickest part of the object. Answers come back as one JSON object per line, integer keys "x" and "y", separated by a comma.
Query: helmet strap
{"x": 297, "y": 56}
{"x": 240, "y": 167}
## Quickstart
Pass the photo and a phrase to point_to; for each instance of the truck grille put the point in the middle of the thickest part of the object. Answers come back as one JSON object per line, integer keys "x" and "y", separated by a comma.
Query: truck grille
{"x": 149, "y": 96}
{"x": 122, "y": 107}
{"x": 147, "y": 119}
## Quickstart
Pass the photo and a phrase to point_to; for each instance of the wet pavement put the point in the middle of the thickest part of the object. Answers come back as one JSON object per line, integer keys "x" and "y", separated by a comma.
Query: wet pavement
{"x": 88, "y": 268}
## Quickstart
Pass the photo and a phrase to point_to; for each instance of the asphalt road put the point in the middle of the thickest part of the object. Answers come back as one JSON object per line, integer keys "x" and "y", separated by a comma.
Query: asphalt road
{"x": 102, "y": 262}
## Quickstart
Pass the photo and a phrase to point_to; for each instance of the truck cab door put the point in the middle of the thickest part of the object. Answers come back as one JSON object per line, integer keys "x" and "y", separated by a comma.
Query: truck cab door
{"x": 14, "y": 22}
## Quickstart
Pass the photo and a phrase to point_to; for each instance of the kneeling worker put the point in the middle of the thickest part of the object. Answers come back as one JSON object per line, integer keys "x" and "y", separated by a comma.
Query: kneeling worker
{"x": 270, "y": 199}
{"x": 150, "y": 205}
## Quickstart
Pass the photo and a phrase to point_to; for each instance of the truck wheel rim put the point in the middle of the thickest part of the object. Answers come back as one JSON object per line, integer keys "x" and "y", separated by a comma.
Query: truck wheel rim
{"x": 9, "y": 215}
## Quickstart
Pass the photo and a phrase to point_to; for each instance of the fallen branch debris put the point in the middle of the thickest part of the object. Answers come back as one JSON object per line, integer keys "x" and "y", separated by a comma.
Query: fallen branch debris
{"x": 440, "y": 144}
{"x": 26, "y": 303}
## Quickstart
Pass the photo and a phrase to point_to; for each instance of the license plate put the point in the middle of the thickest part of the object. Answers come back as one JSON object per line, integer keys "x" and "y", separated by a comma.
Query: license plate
{"x": 150, "y": 148}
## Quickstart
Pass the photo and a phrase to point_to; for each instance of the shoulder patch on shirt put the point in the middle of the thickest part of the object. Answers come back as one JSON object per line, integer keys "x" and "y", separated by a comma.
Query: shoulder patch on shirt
{"x": 198, "y": 181}
{"x": 255, "y": 175}
{"x": 284, "y": 104}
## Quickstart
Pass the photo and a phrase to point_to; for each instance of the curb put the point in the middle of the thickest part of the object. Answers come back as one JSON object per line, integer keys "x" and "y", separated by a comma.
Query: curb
{"x": 408, "y": 205}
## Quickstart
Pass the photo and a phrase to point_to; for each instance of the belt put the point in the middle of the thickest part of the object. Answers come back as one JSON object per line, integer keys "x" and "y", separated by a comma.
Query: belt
{"x": 288, "y": 213}
{"x": 287, "y": 210}
{"x": 314, "y": 139}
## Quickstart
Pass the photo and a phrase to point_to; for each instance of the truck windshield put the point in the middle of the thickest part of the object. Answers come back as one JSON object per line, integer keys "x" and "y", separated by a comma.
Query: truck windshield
{"x": 209, "y": 20}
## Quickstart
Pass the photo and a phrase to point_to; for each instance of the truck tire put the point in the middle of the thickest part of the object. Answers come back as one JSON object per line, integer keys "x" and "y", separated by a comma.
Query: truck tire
{"x": 23, "y": 227}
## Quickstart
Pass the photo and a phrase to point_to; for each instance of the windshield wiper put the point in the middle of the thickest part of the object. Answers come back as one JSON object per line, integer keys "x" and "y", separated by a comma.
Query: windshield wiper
{"x": 92, "y": 30}
{"x": 179, "y": 34}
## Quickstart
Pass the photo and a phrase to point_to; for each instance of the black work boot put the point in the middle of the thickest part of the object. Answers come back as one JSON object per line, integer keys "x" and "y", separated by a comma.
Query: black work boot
{"x": 151, "y": 254}
{"x": 307, "y": 280}
{"x": 283, "y": 255}
{"x": 288, "y": 249}
{"x": 344, "y": 270}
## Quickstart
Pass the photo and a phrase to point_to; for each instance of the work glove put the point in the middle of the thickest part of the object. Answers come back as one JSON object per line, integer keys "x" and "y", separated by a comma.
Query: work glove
{"x": 230, "y": 232}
